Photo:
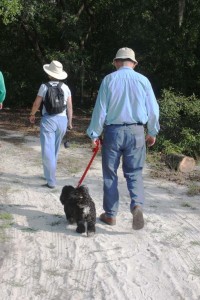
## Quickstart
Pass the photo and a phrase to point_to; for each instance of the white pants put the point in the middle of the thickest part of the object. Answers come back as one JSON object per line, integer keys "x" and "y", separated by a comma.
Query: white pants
{"x": 52, "y": 131}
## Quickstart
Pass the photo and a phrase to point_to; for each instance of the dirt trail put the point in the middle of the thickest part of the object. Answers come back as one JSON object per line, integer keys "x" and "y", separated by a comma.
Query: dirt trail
{"x": 43, "y": 258}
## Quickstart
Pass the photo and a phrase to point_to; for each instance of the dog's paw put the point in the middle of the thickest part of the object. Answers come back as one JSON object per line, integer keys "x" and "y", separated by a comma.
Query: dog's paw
{"x": 91, "y": 228}
{"x": 90, "y": 233}
{"x": 80, "y": 228}
{"x": 71, "y": 220}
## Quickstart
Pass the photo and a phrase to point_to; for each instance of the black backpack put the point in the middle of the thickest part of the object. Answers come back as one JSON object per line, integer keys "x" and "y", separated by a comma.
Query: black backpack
{"x": 54, "y": 99}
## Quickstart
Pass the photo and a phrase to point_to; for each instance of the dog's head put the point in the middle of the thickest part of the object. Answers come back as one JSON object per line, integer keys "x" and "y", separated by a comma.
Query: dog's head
{"x": 82, "y": 194}
{"x": 74, "y": 195}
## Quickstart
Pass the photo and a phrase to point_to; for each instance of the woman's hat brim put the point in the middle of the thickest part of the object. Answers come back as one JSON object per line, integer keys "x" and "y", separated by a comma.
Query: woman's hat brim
{"x": 60, "y": 76}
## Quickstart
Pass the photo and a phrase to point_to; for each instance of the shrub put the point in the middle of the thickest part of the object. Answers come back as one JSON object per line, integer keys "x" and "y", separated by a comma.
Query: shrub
{"x": 180, "y": 122}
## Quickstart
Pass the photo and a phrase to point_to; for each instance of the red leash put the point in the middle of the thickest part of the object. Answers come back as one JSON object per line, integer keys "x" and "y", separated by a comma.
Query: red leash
{"x": 95, "y": 150}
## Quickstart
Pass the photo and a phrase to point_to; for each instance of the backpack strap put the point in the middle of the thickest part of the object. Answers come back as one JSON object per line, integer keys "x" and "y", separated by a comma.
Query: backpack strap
{"x": 60, "y": 84}
{"x": 42, "y": 103}
{"x": 48, "y": 84}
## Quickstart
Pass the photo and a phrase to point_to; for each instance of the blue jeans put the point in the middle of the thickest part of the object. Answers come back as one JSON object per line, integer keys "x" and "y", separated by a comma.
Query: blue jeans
{"x": 127, "y": 142}
{"x": 52, "y": 131}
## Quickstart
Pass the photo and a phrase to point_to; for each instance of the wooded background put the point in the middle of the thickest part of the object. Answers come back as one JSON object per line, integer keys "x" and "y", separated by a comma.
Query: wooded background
{"x": 84, "y": 35}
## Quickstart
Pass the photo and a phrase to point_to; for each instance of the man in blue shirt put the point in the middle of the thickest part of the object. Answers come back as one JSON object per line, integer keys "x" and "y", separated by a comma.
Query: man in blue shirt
{"x": 125, "y": 103}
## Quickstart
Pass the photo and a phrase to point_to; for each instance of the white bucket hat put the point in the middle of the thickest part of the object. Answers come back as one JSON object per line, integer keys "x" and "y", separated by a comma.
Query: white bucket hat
{"x": 55, "y": 69}
{"x": 124, "y": 53}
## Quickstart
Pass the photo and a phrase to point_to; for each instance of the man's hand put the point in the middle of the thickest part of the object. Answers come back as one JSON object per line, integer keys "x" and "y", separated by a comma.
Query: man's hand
{"x": 96, "y": 143}
{"x": 150, "y": 140}
{"x": 1, "y": 105}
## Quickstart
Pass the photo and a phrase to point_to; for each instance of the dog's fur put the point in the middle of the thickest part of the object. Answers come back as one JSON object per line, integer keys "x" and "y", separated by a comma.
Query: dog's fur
{"x": 79, "y": 207}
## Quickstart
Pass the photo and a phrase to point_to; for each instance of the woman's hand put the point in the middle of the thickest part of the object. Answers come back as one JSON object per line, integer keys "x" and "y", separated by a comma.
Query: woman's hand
{"x": 32, "y": 119}
{"x": 69, "y": 126}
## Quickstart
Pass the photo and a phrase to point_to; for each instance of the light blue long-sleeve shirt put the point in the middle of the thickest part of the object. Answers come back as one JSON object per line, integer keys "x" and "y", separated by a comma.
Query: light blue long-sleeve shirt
{"x": 125, "y": 96}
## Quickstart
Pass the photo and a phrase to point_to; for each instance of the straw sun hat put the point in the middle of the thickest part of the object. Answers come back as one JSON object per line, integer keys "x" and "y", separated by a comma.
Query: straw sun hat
{"x": 55, "y": 70}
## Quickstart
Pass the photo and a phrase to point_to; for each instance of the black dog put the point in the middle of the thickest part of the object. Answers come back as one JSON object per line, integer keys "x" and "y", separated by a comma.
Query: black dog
{"x": 79, "y": 208}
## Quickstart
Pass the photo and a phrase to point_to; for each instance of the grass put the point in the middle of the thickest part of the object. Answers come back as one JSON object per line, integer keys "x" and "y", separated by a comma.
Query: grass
{"x": 6, "y": 221}
{"x": 29, "y": 229}
{"x": 193, "y": 190}
{"x": 73, "y": 145}
{"x": 5, "y": 216}
{"x": 186, "y": 204}
{"x": 195, "y": 243}
{"x": 154, "y": 160}
{"x": 73, "y": 169}
{"x": 196, "y": 271}
{"x": 160, "y": 170}
{"x": 71, "y": 164}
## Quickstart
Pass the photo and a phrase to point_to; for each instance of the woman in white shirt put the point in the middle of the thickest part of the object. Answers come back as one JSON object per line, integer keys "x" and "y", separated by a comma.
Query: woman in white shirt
{"x": 52, "y": 126}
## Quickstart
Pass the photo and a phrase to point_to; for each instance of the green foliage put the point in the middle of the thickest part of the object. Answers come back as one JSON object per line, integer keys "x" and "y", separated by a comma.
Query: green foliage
{"x": 167, "y": 146}
{"x": 5, "y": 216}
{"x": 85, "y": 35}
{"x": 180, "y": 121}
{"x": 10, "y": 10}
{"x": 190, "y": 142}
{"x": 193, "y": 190}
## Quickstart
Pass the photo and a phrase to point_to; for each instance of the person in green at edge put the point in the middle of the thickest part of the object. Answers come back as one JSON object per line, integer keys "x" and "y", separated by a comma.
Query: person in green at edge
{"x": 2, "y": 90}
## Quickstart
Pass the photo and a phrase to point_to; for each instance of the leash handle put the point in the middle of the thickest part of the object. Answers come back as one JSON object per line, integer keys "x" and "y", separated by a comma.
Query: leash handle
{"x": 98, "y": 143}
{"x": 95, "y": 150}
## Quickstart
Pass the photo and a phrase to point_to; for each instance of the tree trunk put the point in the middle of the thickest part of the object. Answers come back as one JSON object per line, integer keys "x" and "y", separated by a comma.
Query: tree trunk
{"x": 179, "y": 162}
{"x": 33, "y": 39}
{"x": 181, "y": 6}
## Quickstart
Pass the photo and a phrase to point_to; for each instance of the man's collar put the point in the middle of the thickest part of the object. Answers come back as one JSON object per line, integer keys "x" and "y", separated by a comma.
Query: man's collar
{"x": 125, "y": 67}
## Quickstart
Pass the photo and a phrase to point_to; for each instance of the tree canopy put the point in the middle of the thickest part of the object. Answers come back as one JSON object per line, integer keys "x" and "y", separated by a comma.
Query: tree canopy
{"x": 85, "y": 35}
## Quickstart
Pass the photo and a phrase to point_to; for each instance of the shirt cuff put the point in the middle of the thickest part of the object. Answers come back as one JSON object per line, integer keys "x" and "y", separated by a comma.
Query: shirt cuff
{"x": 92, "y": 135}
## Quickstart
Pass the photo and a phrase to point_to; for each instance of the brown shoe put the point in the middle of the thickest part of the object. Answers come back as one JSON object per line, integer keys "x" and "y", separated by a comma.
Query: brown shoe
{"x": 107, "y": 220}
{"x": 138, "y": 220}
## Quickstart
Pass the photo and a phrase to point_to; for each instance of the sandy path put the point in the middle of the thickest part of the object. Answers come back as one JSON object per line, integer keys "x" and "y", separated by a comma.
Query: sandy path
{"x": 46, "y": 259}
